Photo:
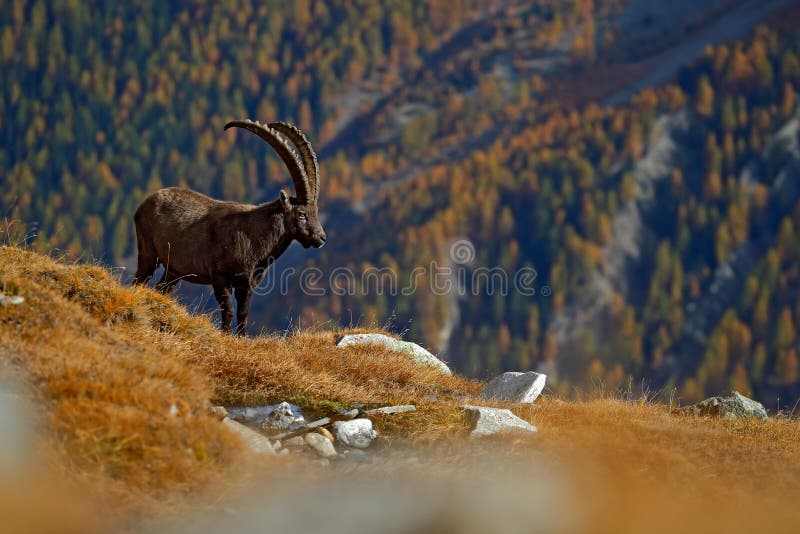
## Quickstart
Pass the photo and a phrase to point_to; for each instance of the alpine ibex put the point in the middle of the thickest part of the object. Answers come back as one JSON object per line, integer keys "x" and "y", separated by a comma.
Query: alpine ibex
{"x": 227, "y": 244}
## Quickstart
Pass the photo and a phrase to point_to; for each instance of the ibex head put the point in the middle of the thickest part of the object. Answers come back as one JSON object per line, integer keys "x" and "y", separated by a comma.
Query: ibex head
{"x": 301, "y": 219}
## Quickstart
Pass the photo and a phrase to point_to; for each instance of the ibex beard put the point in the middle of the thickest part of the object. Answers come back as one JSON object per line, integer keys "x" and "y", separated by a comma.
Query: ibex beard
{"x": 227, "y": 244}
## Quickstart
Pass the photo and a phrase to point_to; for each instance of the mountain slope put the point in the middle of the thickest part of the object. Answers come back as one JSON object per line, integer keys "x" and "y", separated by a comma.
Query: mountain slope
{"x": 441, "y": 123}
{"x": 119, "y": 380}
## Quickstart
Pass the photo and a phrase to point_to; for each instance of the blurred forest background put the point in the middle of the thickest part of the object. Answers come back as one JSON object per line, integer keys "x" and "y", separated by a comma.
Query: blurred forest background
{"x": 643, "y": 157}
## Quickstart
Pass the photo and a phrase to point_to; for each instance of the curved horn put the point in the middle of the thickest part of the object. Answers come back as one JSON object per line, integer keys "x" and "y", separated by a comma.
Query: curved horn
{"x": 276, "y": 140}
{"x": 306, "y": 153}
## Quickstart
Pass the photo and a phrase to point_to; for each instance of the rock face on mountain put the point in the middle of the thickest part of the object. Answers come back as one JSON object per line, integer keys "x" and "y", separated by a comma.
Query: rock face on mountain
{"x": 737, "y": 406}
{"x": 414, "y": 351}
{"x": 782, "y": 154}
{"x": 668, "y": 146}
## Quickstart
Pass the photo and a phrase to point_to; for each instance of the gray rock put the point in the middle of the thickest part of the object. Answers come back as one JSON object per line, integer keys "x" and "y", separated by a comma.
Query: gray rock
{"x": 414, "y": 351}
{"x": 10, "y": 300}
{"x": 318, "y": 423}
{"x": 351, "y": 414}
{"x": 255, "y": 441}
{"x": 487, "y": 421}
{"x": 522, "y": 388}
{"x": 321, "y": 445}
{"x": 389, "y": 410}
{"x": 357, "y": 433}
{"x": 737, "y": 406}
{"x": 280, "y": 418}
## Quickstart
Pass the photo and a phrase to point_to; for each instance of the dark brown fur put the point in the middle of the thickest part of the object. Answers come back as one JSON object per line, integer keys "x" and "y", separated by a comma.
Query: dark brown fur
{"x": 227, "y": 244}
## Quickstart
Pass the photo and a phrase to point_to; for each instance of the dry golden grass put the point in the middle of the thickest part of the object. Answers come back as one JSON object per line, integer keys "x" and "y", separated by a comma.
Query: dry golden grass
{"x": 124, "y": 378}
{"x": 127, "y": 375}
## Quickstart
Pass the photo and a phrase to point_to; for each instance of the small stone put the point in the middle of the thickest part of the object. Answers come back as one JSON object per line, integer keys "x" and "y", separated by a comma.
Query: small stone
{"x": 522, "y": 388}
{"x": 318, "y": 423}
{"x": 277, "y": 445}
{"x": 10, "y": 300}
{"x": 737, "y": 406}
{"x": 303, "y": 429}
{"x": 357, "y": 433}
{"x": 280, "y": 418}
{"x": 219, "y": 412}
{"x": 284, "y": 452}
{"x": 414, "y": 351}
{"x": 351, "y": 414}
{"x": 296, "y": 441}
{"x": 487, "y": 421}
{"x": 325, "y": 432}
{"x": 257, "y": 443}
{"x": 320, "y": 444}
{"x": 389, "y": 410}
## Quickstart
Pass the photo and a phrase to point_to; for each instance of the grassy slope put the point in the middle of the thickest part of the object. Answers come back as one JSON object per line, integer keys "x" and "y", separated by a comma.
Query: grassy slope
{"x": 109, "y": 363}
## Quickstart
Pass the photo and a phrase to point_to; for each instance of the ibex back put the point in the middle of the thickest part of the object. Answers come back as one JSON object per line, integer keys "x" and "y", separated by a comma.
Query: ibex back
{"x": 227, "y": 244}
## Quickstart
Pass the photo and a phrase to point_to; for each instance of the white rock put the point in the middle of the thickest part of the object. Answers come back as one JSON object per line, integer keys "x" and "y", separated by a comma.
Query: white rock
{"x": 417, "y": 353}
{"x": 357, "y": 433}
{"x": 389, "y": 410}
{"x": 5, "y": 299}
{"x": 487, "y": 421}
{"x": 257, "y": 443}
{"x": 320, "y": 444}
{"x": 522, "y": 388}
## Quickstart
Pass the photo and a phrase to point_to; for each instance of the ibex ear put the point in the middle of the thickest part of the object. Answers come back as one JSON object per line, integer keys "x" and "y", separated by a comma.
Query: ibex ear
{"x": 287, "y": 205}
